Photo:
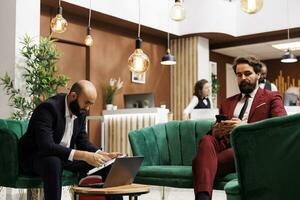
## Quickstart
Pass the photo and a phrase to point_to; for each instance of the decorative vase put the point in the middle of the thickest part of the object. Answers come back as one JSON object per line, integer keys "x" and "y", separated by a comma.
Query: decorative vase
{"x": 109, "y": 106}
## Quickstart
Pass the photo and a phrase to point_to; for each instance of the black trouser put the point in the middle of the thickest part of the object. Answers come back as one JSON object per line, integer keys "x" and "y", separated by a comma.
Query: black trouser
{"x": 50, "y": 169}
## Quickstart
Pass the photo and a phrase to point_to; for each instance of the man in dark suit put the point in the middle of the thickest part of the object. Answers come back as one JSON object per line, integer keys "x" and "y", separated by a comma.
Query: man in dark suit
{"x": 215, "y": 155}
{"x": 56, "y": 139}
{"x": 263, "y": 82}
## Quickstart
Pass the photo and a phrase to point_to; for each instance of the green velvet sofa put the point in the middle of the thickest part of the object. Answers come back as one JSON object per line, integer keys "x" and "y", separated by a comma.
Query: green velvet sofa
{"x": 10, "y": 174}
{"x": 267, "y": 158}
{"x": 169, "y": 149}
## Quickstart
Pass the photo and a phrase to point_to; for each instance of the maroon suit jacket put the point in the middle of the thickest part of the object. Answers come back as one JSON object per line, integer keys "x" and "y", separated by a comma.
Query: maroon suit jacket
{"x": 266, "y": 104}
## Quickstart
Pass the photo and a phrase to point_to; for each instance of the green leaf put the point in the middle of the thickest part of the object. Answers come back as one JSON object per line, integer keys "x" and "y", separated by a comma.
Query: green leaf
{"x": 40, "y": 77}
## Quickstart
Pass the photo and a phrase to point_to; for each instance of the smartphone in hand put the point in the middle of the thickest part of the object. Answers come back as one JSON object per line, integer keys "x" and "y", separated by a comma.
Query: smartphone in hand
{"x": 221, "y": 118}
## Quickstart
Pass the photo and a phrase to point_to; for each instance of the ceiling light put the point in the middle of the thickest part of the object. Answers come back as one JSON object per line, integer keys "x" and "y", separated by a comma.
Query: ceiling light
{"x": 138, "y": 62}
{"x": 168, "y": 59}
{"x": 59, "y": 24}
{"x": 178, "y": 11}
{"x": 287, "y": 45}
{"x": 251, "y": 6}
{"x": 88, "y": 39}
{"x": 288, "y": 57}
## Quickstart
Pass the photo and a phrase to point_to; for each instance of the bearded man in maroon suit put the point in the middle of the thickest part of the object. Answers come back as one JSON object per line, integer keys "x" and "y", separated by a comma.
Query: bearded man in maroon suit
{"x": 215, "y": 155}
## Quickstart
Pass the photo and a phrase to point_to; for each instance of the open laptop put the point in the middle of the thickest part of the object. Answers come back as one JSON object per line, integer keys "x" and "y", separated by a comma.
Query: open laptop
{"x": 122, "y": 172}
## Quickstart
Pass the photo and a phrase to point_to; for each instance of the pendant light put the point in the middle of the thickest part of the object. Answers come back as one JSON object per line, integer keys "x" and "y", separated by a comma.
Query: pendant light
{"x": 88, "y": 39}
{"x": 251, "y": 6}
{"x": 178, "y": 11}
{"x": 138, "y": 62}
{"x": 168, "y": 59}
{"x": 59, "y": 24}
{"x": 288, "y": 56}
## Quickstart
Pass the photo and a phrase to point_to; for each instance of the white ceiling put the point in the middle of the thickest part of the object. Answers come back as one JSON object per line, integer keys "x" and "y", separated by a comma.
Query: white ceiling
{"x": 263, "y": 51}
{"x": 202, "y": 16}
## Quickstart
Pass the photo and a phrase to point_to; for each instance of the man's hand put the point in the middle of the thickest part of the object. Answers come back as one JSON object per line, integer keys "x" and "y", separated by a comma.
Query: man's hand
{"x": 96, "y": 159}
{"x": 225, "y": 127}
{"x": 91, "y": 158}
{"x": 111, "y": 155}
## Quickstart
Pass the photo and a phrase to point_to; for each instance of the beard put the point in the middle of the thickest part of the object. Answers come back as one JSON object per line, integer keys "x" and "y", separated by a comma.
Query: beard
{"x": 75, "y": 108}
{"x": 247, "y": 87}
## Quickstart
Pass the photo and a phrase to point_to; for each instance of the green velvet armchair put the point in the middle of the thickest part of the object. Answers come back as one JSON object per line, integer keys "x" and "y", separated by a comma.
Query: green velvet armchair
{"x": 169, "y": 149}
{"x": 267, "y": 158}
{"x": 11, "y": 176}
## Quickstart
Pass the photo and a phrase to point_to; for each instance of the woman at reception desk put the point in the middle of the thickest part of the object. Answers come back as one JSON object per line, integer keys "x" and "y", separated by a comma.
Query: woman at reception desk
{"x": 200, "y": 98}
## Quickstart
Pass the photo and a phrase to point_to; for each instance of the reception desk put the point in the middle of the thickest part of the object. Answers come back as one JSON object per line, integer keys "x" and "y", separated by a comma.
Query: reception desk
{"x": 207, "y": 114}
{"x": 117, "y": 123}
{"x": 210, "y": 113}
{"x": 292, "y": 109}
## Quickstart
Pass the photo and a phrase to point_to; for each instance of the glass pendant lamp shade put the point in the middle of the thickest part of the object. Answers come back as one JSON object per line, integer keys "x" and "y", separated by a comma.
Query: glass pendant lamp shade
{"x": 58, "y": 23}
{"x": 178, "y": 11}
{"x": 288, "y": 57}
{"x": 88, "y": 41}
{"x": 251, "y": 6}
{"x": 138, "y": 62}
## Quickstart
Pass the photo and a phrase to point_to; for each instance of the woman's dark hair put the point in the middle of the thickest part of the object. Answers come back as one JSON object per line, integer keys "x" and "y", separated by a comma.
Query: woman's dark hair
{"x": 198, "y": 87}
{"x": 250, "y": 60}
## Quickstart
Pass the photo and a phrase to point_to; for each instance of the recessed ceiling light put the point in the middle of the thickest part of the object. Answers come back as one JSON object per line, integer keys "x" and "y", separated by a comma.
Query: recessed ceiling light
{"x": 288, "y": 45}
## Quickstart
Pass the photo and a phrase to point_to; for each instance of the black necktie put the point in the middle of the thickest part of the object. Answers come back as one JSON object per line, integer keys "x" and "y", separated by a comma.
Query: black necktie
{"x": 244, "y": 108}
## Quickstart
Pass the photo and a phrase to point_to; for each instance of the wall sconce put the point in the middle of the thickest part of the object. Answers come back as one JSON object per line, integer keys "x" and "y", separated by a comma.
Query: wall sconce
{"x": 251, "y": 6}
{"x": 168, "y": 59}
{"x": 138, "y": 62}
{"x": 58, "y": 23}
{"x": 88, "y": 39}
{"x": 178, "y": 11}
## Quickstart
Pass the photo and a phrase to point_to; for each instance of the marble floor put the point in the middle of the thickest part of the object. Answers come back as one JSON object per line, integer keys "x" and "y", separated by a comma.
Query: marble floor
{"x": 155, "y": 194}
{"x": 177, "y": 194}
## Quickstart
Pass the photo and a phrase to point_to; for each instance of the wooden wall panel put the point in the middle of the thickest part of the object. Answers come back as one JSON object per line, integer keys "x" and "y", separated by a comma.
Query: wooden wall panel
{"x": 108, "y": 59}
{"x": 221, "y": 61}
{"x": 274, "y": 66}
{"x": 73, "y": 63}
{"x": 184, "y": 73}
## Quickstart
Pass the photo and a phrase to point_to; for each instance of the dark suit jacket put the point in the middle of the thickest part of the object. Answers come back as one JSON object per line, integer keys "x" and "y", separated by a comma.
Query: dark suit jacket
{"x": 265, "y": 104}
{"x": 46, "y": 129}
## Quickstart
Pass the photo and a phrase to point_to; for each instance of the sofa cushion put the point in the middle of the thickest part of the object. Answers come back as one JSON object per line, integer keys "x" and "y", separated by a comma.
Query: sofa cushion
{"x": 167, "y": 171}
{"x": 16, "y": 126}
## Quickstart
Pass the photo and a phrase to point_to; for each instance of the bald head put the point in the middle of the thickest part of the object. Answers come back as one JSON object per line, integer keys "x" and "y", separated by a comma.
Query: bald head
{"x": 84, "y": 87}
{"x": 82, "y": 95}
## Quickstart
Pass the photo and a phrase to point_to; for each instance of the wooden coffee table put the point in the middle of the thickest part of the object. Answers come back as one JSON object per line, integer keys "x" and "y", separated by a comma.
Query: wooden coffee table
{"x": 132, "y": 190}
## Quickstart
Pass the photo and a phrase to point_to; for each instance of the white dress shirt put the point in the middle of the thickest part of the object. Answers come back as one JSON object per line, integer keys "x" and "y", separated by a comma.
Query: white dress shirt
{"x": 193, "y": 103}
{"x": 66, "y": 139}
{"x": 273, "y": 87}
{"x": 240, "y": 104}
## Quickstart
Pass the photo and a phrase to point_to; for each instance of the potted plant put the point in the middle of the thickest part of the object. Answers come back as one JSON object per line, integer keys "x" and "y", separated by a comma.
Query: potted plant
{"x": 109, "y": 91}
{"x": 41, "y": 80}
{"x": 146, "y": 103}
{"x": 214, "y": 88}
